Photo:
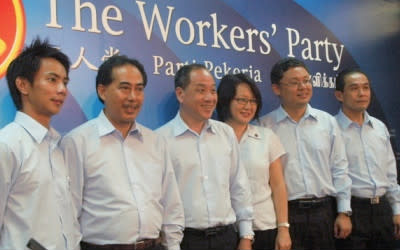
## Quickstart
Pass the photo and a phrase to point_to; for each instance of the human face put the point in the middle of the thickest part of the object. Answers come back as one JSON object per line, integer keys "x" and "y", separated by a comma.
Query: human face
{"x": 243, "y": 106}
{"x": 123, "y": 97}
{"x": 294, "y": 89}
{"x": 45, "y": 96}
{"x": 199, "y": 98}
{"x": 356, "y": 93}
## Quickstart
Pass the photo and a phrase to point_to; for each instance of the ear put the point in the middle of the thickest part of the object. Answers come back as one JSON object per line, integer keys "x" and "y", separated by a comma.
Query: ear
{"x": 101, "y": 91}
{"x": 276, "y": 89}
{"x": 339, "y": 95}
{"x": 180, "y": 94}
{"x": 23, "y": 85}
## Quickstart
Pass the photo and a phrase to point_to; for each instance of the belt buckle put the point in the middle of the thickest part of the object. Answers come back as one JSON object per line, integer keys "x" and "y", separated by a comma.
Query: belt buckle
{"x": 139, "y": 245}
{"x": 210, "y": 231}
{"x": 375, "y": 200}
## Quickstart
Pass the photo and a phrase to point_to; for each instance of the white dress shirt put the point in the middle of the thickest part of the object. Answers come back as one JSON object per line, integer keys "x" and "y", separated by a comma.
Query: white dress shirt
{"x": 316, "y": 159}
{"x": 124, "y": 189}
{"x": 259, "y": 147}
{"x": 213, "y": 183}
{"x": 372, "y": 166}
{"x": 35, "y": 200}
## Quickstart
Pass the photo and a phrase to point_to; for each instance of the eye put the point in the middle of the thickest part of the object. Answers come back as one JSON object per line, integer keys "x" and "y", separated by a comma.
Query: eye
{"x": 139, "y": 88}
{"x": 52, "y": 79}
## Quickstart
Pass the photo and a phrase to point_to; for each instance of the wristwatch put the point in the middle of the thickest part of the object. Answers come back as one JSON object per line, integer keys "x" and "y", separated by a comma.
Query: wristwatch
{"x": 248, "y": 237}
{"x": 284, "y": 224}
{"x": 347, "y": 213}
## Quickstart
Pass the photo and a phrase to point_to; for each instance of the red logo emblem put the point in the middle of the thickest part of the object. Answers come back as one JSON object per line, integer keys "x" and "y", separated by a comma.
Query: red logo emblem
{"x": 12, "y": 32}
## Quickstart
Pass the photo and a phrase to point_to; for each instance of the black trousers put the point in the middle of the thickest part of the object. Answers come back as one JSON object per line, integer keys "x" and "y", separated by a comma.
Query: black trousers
{"x": 224, "y": 238}
{"x": 311, "y": 223}
{"x": 265, "y": 240}
{"x": 372, "y": 226}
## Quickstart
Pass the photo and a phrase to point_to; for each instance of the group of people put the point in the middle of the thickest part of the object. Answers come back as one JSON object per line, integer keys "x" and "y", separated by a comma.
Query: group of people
{"x": 296, "y": 178}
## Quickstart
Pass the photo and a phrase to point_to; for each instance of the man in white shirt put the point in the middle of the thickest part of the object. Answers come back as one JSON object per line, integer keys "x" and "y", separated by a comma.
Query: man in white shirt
{"x": 205, "y": 155}
{"x": 316, "y": 169}
{"x": 35, "y": 201}
{"x": 372, "y": 167}
{"x": 122, "y": 180}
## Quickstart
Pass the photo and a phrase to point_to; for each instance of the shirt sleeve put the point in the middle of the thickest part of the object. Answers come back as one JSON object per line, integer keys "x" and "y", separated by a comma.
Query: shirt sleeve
{"x": 8, "y": 166}
{"x": 393, "y": 192}
{"x": 74, "y": 163}
{"x": 173, "y": 215}
{"x": 340, "y": 172}
{"x": 275, "y": 147}
{"x": 240, "y": 192}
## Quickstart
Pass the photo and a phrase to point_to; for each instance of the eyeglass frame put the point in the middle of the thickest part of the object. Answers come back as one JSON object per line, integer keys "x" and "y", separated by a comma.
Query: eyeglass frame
{"x": 244, "y": 101}
{"x": 297, "y": 84}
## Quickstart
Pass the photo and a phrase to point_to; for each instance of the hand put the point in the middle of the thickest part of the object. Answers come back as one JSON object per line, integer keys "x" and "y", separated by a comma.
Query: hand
{"x": 244, "y": 244}
{"x": 396, "y": 222}
{"x": 283, "y": 241}
{"x": 343, "y": 226}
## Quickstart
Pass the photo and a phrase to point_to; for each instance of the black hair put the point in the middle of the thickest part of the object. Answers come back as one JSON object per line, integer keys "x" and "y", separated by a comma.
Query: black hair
{"x": 182, "y": 77}
{"x": 227, "y": 92}
{"x": 284, "y": 65}
{"x": 28, "y": 63}
{"x": 340, "y": 83}
{"x": 105, "y": 76}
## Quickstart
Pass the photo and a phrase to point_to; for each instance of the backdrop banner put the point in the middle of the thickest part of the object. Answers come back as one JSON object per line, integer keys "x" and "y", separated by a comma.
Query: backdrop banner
{"x": 228, "y": 36}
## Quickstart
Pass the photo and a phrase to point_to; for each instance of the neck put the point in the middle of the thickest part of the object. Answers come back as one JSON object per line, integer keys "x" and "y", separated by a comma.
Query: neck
{"x": 355, "y": 116}
{"x": 123, "y": 128}
{"x": 239, "y": 128}
{"x": 296, "y": 113}
{"x": 193, "y": 123}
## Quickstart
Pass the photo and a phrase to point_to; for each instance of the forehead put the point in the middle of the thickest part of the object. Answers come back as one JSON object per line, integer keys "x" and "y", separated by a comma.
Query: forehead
{"x": 128, "y": 73}
{"x": 295, "y": 72}
{"x": 50, "y": 65}
{"x": 356, "y": 78}
{"x": 201, "y": 77}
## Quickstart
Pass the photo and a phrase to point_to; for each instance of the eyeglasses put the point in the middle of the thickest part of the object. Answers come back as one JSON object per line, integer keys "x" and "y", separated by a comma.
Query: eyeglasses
{"x": 244, "y": 101}
{"x": 296, "y": 84}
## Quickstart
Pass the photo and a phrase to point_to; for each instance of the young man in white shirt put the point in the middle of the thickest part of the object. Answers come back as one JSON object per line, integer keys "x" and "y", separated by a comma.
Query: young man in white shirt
{"x": 35, "y": 199}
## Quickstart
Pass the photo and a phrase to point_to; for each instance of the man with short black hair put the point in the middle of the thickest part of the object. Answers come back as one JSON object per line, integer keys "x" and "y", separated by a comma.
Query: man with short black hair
{"x": 123, "y": 183}
{"x": 372, "y": 167}
{"x": 205, "y": 155}
{"x": 35, "y": 201}
{"x": 316, "y": 165}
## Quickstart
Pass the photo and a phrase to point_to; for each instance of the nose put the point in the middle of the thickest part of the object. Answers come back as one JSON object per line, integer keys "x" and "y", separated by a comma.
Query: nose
{"x": 210, "y": 96}
{"x": 61, "y": 88}
{"x": 132, "y": 95}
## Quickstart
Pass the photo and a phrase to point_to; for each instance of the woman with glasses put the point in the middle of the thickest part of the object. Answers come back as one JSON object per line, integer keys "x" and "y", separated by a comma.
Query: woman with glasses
{"x": 239, "y": 102}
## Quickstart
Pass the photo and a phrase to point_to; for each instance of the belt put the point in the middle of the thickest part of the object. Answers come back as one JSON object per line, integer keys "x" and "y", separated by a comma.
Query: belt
{"x": 208, "y": 232}
{"x": 139, "y": 245}
{"x": 372, "y": 201}
{"x": 310, "y": 202}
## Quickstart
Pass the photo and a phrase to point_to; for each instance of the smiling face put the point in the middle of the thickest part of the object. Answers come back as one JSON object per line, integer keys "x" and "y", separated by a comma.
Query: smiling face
{"x": 199, "y": 98}
{"x": 243, "y": 106}
{"x": 356, "y": 93}
{"x": 123, "y": 97}
{"x": 294, "y": 89}
{"x": 45, "y": 96}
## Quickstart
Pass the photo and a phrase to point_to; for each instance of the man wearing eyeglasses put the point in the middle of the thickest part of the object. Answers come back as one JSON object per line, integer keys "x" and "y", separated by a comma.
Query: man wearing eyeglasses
{"x": 316, "y": 168}
{"x": 372, "y": 166}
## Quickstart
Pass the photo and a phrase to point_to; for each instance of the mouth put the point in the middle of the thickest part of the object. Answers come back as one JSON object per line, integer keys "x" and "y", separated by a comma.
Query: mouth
{"x": 58, "y": 102}
{"x": 131, "y": 109}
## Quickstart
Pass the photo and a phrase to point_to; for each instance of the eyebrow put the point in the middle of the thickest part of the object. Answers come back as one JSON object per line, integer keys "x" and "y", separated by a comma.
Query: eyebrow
{"x": 133, "y": 84}
{"x": 199, "y": 84}
{"x": 58, "y": 76}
